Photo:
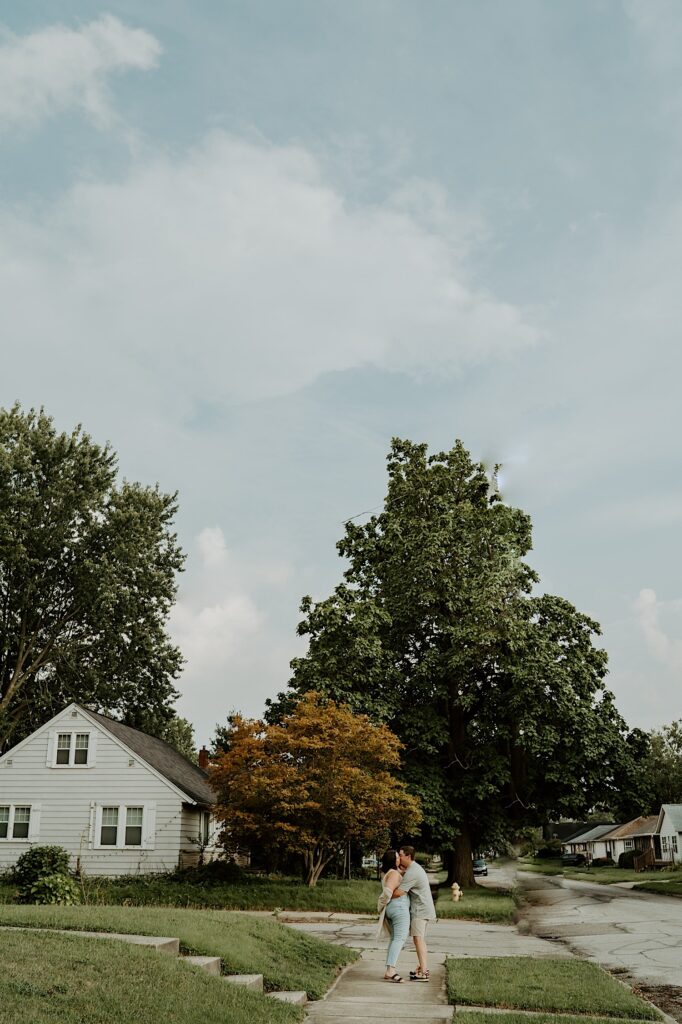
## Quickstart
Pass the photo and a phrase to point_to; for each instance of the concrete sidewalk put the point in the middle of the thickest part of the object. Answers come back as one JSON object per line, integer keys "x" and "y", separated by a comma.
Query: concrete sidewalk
{"x": 362, "y": 997}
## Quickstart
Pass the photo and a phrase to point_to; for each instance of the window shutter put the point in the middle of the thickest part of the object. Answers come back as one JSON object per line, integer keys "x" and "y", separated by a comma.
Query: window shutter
{"x": 50, "y": 749}
{"x": 34, "y": 822}
{"x": 92, "y": 749}
{"x": 149, "y": 838}
{"x": 91, "y": 826}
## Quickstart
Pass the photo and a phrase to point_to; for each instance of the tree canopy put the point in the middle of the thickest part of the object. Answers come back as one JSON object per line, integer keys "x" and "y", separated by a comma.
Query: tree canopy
{"x": 497, "y": 693}
{"x": 321, "y": 778}
{"x": 87, "y": 578}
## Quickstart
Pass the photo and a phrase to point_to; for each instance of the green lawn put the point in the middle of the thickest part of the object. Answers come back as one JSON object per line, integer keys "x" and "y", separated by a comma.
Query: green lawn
{"x": 559, "y": 986}
{"x": 58, "y": 979}
{"x": 664, "y": 888}
{"x": 263, "y": 893}
{"x": 604, "y": 876}
{"x": 287, "y": 959}
{"x": 465, "y": 1016}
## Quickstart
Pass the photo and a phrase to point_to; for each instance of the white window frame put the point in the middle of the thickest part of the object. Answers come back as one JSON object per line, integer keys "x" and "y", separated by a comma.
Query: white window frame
{"x": 673, "y": 844}
{"x": 71, "y": 766}
{"x": 148, "y": 825}
{"x": 629, "y": 844}
{"x": 33, "y": 822}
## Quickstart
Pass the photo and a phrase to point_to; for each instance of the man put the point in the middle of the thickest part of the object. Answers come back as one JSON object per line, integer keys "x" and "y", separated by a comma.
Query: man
{"x": 416, "y": 883}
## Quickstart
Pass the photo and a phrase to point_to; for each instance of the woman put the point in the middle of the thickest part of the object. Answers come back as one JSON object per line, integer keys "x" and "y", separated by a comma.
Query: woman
{"x": 394, "y": 908}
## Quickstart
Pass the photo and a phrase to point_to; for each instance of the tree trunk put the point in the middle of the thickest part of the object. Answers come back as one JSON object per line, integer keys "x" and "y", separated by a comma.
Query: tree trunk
{"x": 449, "y": 865}
{"x": 463, "y": 864}
{"x": 315, "y": 863}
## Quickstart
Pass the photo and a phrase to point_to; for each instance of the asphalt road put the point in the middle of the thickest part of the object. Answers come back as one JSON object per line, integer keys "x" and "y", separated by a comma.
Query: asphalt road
{"x": 640, "y": 933}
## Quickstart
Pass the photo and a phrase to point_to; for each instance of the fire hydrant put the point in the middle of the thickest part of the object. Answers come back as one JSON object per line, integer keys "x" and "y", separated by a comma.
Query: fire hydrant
{"x": 456, "y": 892}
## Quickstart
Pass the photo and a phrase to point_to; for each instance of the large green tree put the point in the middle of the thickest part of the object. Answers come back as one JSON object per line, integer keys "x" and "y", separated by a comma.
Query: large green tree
{"x": 87, "y": 578}
{"x": 662, "y": 767}
{"x": 497, "y": 695}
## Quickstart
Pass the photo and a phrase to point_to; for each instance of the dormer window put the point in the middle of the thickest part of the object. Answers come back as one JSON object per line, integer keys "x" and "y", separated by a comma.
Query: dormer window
{"x": 72, "y": 750}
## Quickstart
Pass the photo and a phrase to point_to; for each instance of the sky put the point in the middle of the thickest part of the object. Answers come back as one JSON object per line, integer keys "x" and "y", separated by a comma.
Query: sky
{"x": 247, "y": 243}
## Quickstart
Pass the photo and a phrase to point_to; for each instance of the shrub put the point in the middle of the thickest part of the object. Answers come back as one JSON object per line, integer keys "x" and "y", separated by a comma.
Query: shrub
{"x": 552, "y": 848}
{"x": 55, "y": 888}
{"x": 39, "y": 861}
{"x": 627, "y": 859}
{"x": 604, "y": 862}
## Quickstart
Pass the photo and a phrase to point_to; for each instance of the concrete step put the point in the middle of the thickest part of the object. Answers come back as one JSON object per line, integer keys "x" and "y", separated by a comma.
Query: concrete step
{"x": 210, "y": 964}
{"x": 162, "y": 943}
{"x": 250, "y": 981}
{"x": 293, "y": 998}
{"x": 336, "y": 1010}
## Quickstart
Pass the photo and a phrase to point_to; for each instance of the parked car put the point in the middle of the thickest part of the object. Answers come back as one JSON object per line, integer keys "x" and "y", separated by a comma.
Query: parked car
{"x": 572, "y": 859}
{"x": 480, "y": 866}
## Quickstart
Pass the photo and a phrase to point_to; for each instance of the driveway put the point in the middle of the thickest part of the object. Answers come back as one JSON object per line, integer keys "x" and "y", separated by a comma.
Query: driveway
{"x": 636, "y": 933}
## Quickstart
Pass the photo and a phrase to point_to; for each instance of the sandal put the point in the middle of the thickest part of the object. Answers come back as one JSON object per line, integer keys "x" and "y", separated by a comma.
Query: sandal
{"x": 396, "y": 978}
{"x": 420, "y": 975}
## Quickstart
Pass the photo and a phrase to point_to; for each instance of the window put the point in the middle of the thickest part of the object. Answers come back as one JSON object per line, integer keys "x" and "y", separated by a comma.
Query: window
{"x": 664, "y": 844}
{"x": 19, "y": 821}
{"x": 125, "y": 826}
{"x": 22, "y": 819}
{"x": 629, "y": 844}
{"x": 673, "y": 844}
{"x": 109, "y": 830}
{"x": 72, "y": 748}
{"x": 205, "y": 820}
{"x": 134, "y": 826}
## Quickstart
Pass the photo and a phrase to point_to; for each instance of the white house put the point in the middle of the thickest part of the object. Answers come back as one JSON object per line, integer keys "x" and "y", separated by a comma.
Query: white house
{"x": 669, "y": 831}
{"x": 119, "y": 801}
{"x": 589, "y": 841}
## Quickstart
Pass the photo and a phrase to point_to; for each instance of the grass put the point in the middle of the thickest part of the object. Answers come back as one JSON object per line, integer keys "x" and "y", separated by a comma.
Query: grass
{"x": 603, "y": 876}
{"x": 287, "y": 959}
{"x": 58, "y": 979}
{"x": 358, "y": 896}
{"x": 559, "y": 986}
{"x": 478, "y": 1017}
{"x": 673, "y": 888}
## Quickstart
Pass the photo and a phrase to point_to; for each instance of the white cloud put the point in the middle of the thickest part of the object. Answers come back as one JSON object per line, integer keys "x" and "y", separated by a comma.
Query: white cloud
{"x": 237, "y": 271}
{"x": 665, "y": 649}
{"x": 60, "y": 68}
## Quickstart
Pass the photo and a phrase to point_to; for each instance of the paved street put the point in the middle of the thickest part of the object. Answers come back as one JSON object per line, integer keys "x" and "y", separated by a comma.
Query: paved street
{"x": 612, "y": 926}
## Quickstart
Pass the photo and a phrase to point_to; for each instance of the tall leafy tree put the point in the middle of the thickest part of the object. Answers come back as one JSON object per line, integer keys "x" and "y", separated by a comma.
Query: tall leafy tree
{"x": 497, "y": 695}
{"x": 662, "y": 767}
{"x": 87, "y": 578}
{"x": 320, "y": 779}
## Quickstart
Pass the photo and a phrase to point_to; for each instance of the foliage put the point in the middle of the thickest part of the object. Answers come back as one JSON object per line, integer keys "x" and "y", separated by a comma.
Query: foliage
{"x": 87, "y": 579}
{"x": 552, "y": 848}
{"x": 497, "y": 695}
{"x": 56, "y": 888}
{"x": 627, "y": 858}
{"x": 563, "y": 985}
{"x": 606, "y": 862}
{"x": 287, "y": 959}
{"x": 37, "y": 861}
{"x": 662, "y": 768}
{"x": 66, "y": 979}
{"x": 321, "y": 778}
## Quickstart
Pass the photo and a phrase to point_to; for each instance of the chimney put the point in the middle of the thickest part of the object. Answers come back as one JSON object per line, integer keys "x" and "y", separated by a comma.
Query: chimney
{"x": 203, "y": 758}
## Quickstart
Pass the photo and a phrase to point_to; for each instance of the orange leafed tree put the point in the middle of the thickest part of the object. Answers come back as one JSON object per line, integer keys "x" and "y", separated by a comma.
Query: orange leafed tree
{"x": 321, "y": 778}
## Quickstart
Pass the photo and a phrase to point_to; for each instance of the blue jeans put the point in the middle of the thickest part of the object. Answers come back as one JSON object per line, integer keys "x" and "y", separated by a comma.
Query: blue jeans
{"x": 398, "y": 916}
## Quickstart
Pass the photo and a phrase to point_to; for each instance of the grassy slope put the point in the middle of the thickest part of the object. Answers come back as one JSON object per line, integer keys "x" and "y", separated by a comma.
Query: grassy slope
{"x": 68, "y": 980}
{"x": 663, "y": 888}
{"x": 466, "y": 1016}
{"x": 604, "y": 876}
{"x": 287, "y": 959}
{"x": 357, "y": 896}
{"x": 562, "y": 985}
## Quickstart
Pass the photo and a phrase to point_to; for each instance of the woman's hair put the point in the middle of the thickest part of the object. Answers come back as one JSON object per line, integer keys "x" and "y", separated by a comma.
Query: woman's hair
{"x": 388, "y": 861}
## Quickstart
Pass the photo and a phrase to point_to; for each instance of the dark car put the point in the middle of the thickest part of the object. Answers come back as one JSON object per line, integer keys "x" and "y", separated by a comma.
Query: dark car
{"x": 572, "y": 859}
{"x": 480, "y": 866}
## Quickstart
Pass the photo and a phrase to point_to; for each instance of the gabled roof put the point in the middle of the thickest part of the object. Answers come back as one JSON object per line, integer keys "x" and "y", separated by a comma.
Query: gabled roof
{"x": 642, "y": 826}
{"x": 674, "y": 813}
{"x": 185, "y": 775}
{"x": 591, "y": 834}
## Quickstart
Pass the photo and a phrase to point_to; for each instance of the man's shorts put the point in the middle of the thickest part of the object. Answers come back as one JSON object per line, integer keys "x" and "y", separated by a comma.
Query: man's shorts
{"x": 418, "y": 927}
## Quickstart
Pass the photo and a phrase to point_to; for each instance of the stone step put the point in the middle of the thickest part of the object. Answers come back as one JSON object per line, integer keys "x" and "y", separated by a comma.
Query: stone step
{"x": 162, "y": 943}
{"x": 210, "y": 964}
{"x": 293, "y": 998}
{"x": 335, "y": 1010}
{"x": 250, "y": 981}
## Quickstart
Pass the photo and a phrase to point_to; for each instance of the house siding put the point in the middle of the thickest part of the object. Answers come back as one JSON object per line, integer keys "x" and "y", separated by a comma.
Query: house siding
{"x": 67, "y": 796}
{"x": 668, "y": 831}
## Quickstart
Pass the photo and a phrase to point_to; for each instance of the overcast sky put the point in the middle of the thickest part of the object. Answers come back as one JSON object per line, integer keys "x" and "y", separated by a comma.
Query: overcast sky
{"x": 247, "y": 242}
